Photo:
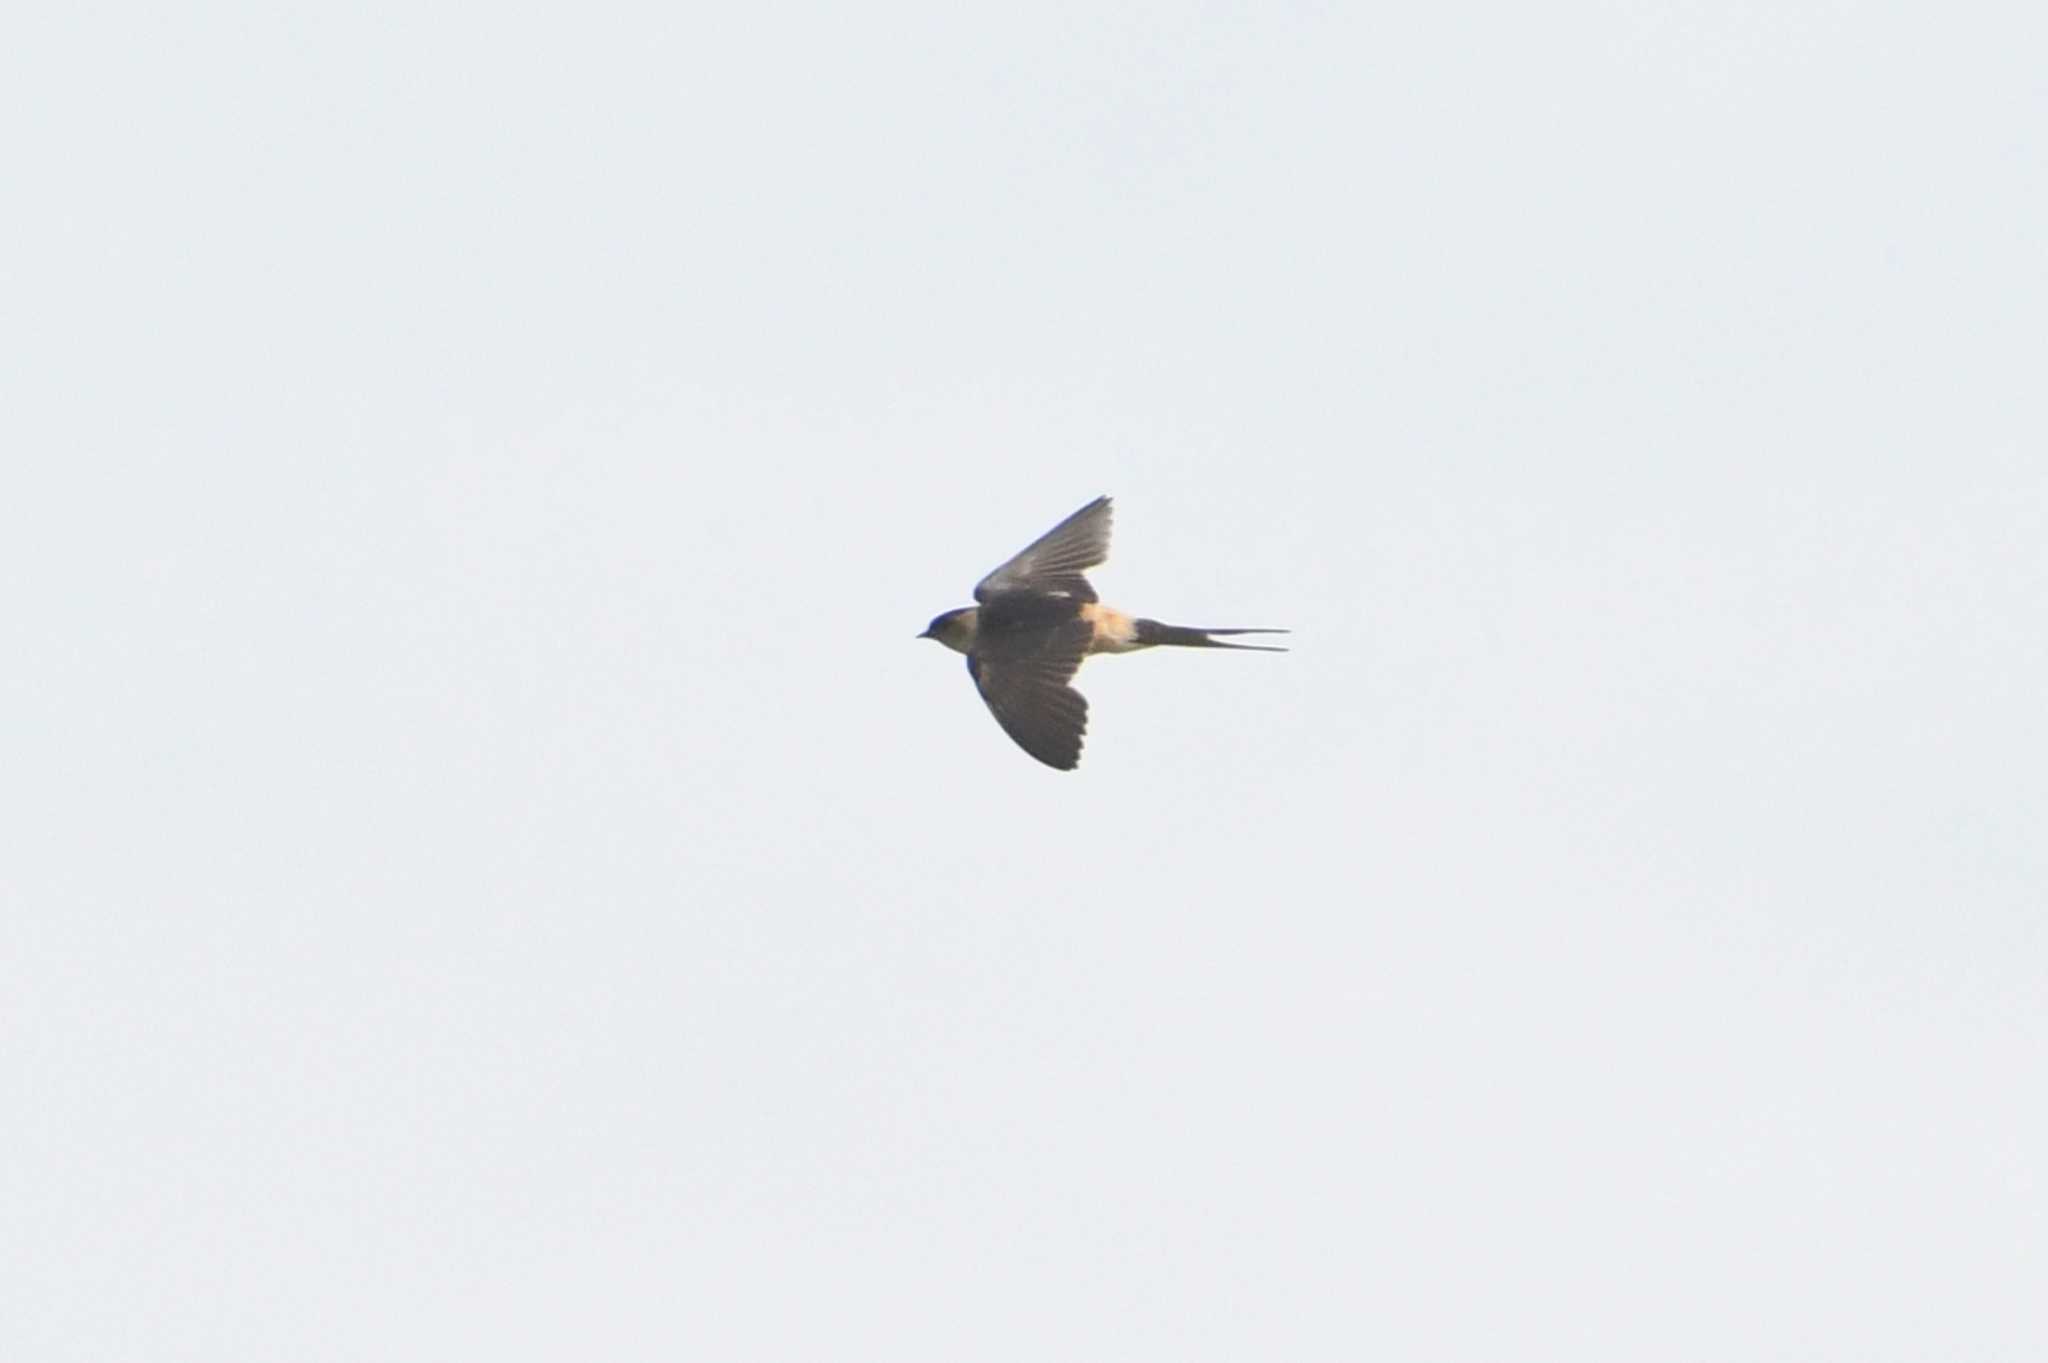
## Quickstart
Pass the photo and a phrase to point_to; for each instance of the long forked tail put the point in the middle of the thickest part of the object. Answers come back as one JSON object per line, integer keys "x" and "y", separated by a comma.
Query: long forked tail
{"x": 1186, "y": 636}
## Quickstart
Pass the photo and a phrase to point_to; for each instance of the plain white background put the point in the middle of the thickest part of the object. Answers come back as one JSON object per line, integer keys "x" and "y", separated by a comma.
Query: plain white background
{"x": 489, "y": 872}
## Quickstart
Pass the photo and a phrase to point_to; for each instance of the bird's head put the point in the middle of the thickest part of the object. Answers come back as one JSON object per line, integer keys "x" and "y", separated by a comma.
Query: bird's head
{"x": 954, "y": 629}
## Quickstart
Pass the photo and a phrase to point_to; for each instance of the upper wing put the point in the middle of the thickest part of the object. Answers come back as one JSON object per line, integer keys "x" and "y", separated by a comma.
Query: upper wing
{"x": 1030, "y": 698}
{"x": 1052, "y": 564}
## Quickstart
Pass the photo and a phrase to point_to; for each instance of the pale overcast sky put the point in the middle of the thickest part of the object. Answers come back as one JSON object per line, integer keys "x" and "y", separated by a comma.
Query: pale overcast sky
{"x": 491, "y": 874}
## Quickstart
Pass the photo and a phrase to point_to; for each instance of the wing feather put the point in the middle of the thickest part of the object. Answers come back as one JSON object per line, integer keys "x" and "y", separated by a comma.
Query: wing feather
{"x": 1052, "y": 564}
{"x": 1030, "y": 698}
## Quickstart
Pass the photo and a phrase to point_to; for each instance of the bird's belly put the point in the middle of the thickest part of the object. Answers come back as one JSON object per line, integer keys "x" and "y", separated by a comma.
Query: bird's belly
{"x": 1114, "y": 632}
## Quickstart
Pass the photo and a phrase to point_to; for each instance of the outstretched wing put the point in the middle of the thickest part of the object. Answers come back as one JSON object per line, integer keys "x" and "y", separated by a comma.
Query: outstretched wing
{"x": 1029, "y": 696}
{"x": 1053, "y": 562}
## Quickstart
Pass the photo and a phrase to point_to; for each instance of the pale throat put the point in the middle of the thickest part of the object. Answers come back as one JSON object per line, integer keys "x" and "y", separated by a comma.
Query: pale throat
{"x": 960, "y": 631}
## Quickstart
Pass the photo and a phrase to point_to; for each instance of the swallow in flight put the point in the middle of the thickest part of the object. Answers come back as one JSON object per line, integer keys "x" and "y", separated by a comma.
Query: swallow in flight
{"x": 1037, "y": 620}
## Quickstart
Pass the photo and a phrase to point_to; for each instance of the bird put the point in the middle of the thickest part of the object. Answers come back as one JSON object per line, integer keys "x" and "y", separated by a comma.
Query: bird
{"x": 1037, "y": 619}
